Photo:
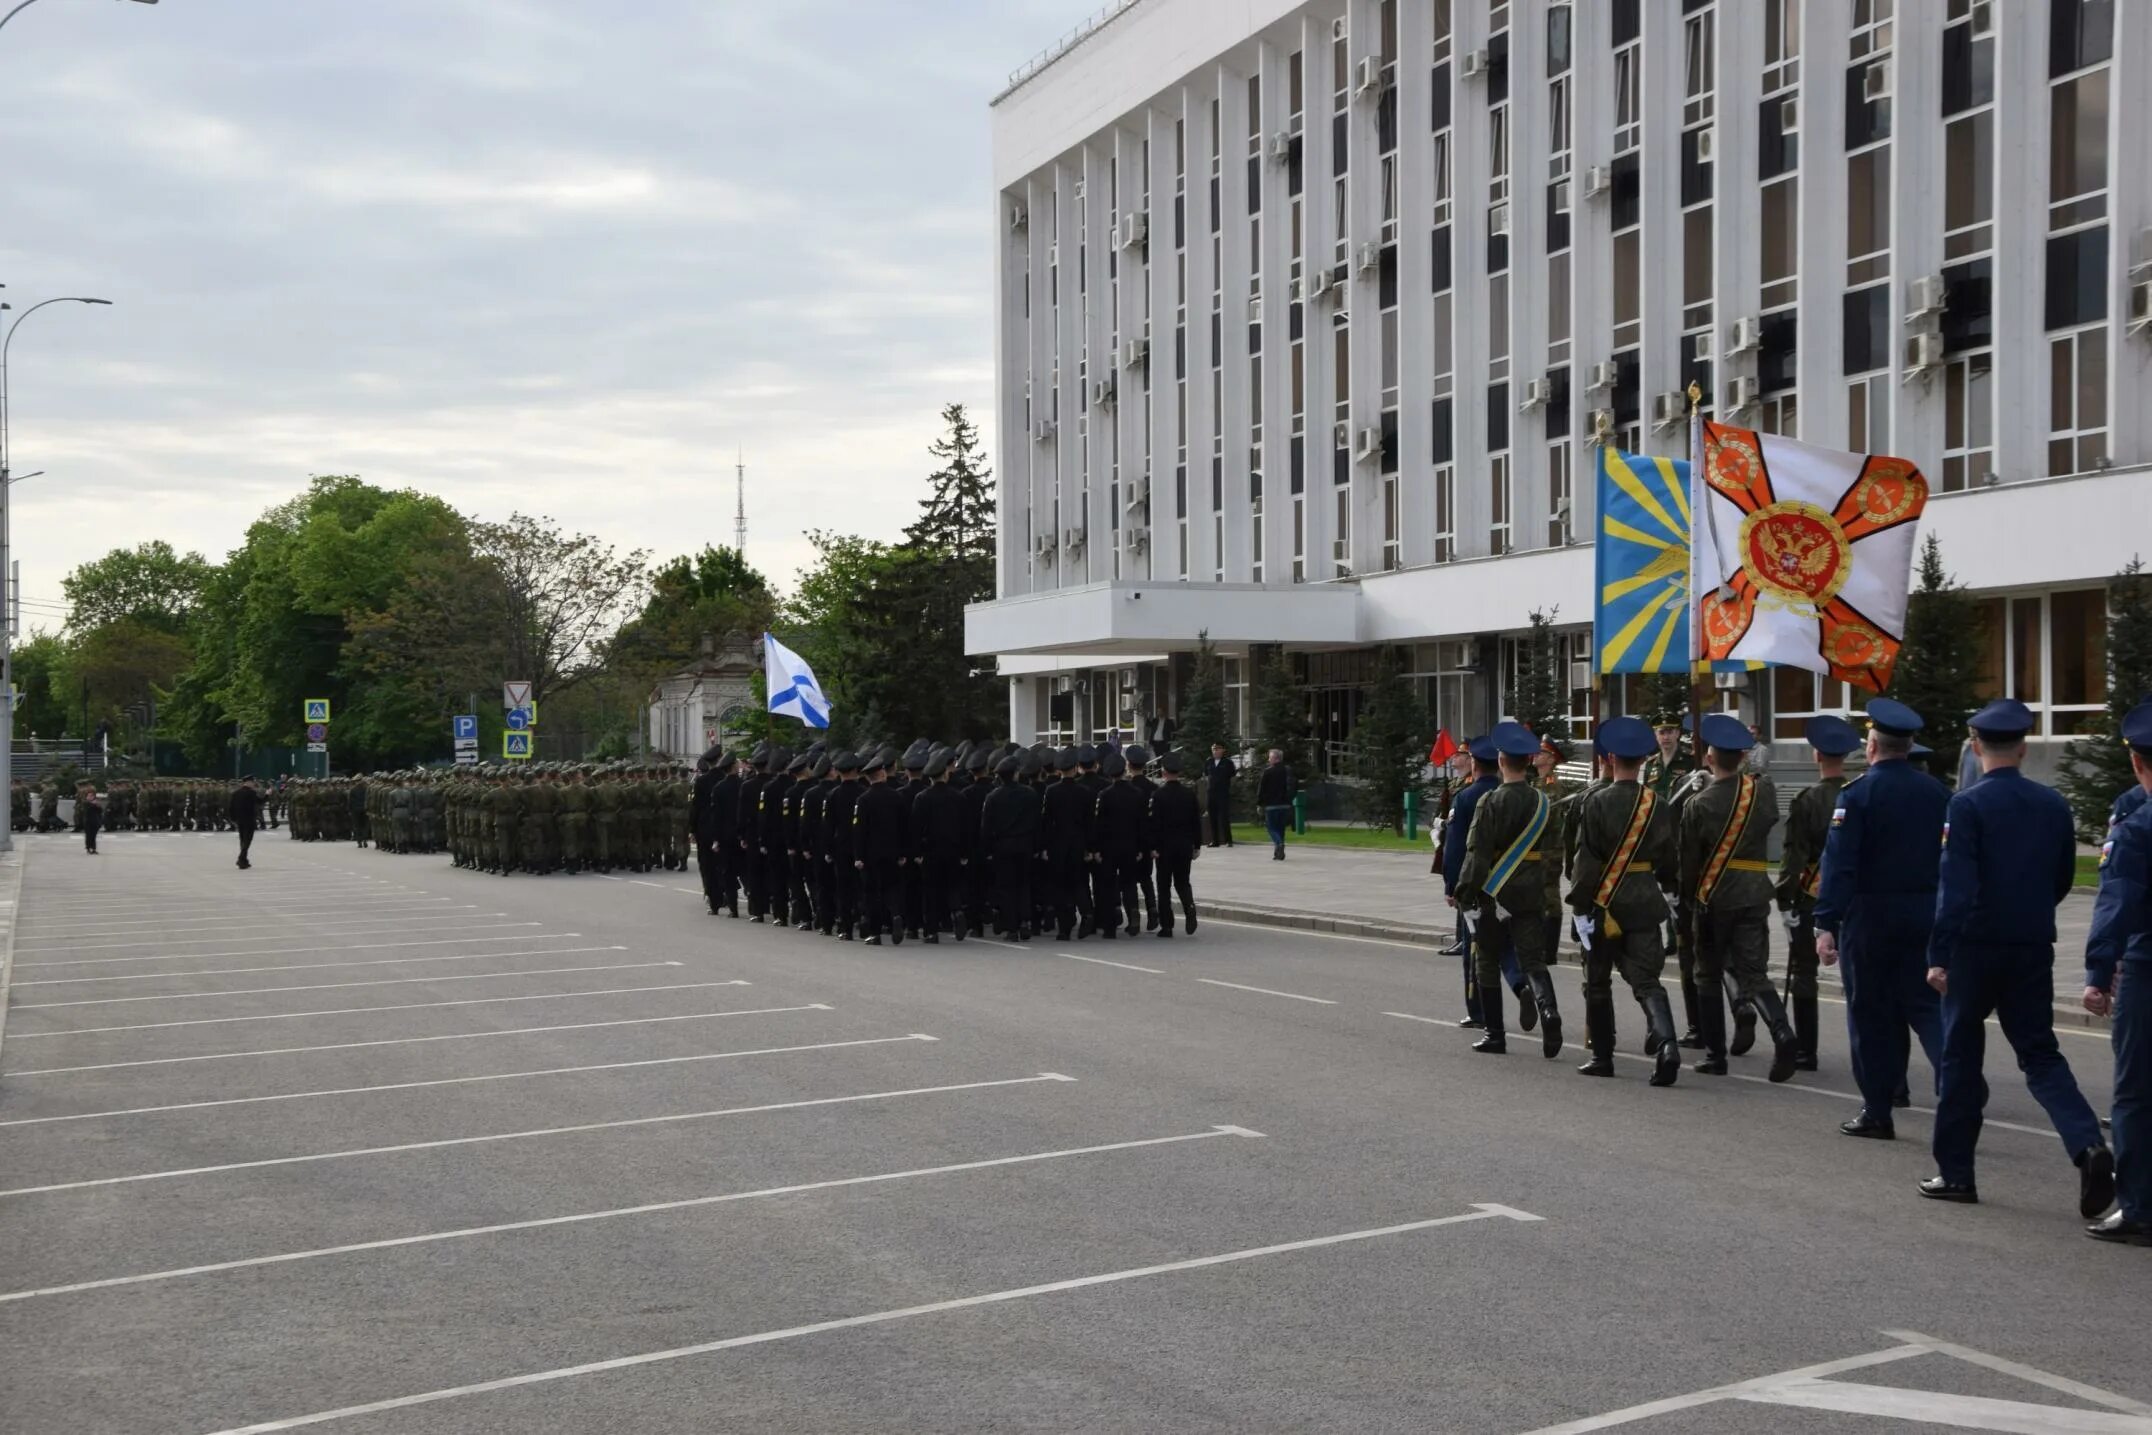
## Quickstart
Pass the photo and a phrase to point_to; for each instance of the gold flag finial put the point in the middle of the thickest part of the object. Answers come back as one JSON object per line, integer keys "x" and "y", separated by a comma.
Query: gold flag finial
{"x": 1696, "y": 396}
{"x": 1602, "y": 426}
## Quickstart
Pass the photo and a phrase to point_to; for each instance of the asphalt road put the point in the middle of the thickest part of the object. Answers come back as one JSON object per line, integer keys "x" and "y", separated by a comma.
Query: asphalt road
{"x": 363, "y": 1142}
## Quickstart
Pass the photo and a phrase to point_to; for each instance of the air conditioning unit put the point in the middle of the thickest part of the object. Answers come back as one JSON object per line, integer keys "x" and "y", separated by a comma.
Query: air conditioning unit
{"x": 1535, "y": 395}
{"x": 1743, "y": 336}
{"x": 1135, "y": 353}
{"x": 1139, "y": 540}
{"x": 1729, "y": 682}
{"x": 1666, "y": 409}
{"x": 1498, "y": 220}
{"x": 1598, "y": 179}
{"x": 1337, "y": 28}
{"x": 1561, "y": 196}
{"x": 1019, "y": 217}
{"x": 1281, "y": 146}
{"x": 1370, "y": 76}
{"x": 1370, "y": 258}
{"x": 1341, "y": 551}
{"x": 1706, "y": 146}
{"x": 1925, "y": 296}
{"x": 1983, "y": 17}
{"x": 1340, "y": 434}
{"x": 1600, "y": 421}
{"x": 1740, "y": 394}
{"x": 1128, "y": 677}
{"x": 1042, "y": 548}
{"x": 1603, "y": 376}
{"x": 2141, "y": 254}
{"x": 1135, "y": 229}
{"x": 1073, "y": 540}
{"x": 1468, "y": 654}
{"x": 1367, "y": 444}
{"x": 1875, "y": 81}
{"x": 1103, "y": 393}
{"x": 2140, "y": 306}
{"x": 1923, "y": 352}
{"x": 1472, "y": 64}
{"x": 1064, "y": 684}
{"x": 1139, "y": 494}
{"x": 1042, "y": 431}
{"x": 1789, "y": 115}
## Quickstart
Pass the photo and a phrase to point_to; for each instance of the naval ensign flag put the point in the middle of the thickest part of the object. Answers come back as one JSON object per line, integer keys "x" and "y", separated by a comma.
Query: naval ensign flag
{"x": 793, "y": 690}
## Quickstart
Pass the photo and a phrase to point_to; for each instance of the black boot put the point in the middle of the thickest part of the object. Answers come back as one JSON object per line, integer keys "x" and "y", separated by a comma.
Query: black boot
{"x": 1492, "y": 1042}
{"x": 1804, "y": 1031}
{"x": 1693, "y": 1038}
{"x": 1659, "y": 1014}
{"x": 1550, "y": 1015}
{"x": 1599, "y": 1035}
{"x": 1785, "y": 1047}
{"x": 1713, "y": 1013}
{"x": 1744, "y": 1018}
{"x": 1527, "y": 1018}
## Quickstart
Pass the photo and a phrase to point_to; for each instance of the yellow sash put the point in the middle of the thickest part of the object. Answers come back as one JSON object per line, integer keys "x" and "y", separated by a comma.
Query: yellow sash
{"x": 1625, "y": 851}
{"x": 1722, "y": 855}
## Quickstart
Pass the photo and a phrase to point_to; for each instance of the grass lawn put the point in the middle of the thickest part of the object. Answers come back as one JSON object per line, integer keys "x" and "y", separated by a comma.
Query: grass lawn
{"x": 2088, "y": 871}
{"x": 1327, "y": 835}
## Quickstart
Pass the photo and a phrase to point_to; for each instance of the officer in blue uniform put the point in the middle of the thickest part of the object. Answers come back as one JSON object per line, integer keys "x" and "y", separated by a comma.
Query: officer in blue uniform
{"x": 1876, "y": 904}
{"x": 1486, "y": 778}
{"x": 2009, "y": 858}
{"x": 2121, "y": 937}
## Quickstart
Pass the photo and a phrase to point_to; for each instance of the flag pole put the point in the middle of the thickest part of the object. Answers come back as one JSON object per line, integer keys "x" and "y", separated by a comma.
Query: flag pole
{"x": 1602, "y": 435}
{"x": 1699, "y": 672}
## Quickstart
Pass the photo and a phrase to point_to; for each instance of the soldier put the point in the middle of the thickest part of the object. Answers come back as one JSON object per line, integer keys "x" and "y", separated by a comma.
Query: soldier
{"x": 539, "y": 821}
{"x": 1138, "y": 758}
{"x": 2121, "y": 941}
{"x": 1725, "y": 832}
{"x": 1065, "y": 809}
{"x": 19, "y": 805}
{"x": 1508, "y": 825}
{"x": 1877, "y": 898}
{"x": 797, "y": 915}
{"x": 1176, "y": 827}
{"x": 707, "y": 777}
{"x": 1560, "y": 793}
{"x": 724, "y": 825}
{"x": 504, "y": 806}
{"x": 773, "y": 886}
{"x": 1486, "y": 777}
{"x": 838, "y": 810}
{"x": 977, "y": 886}
{"x": 937, "y": 824}
{"x": 1009, "y": 833}
{"x": 882, "y": 844}
{"x": 1808, "y": 824}
{"x": 361, "y": 822}
{"x": 750, "y": 830}
{"x": 679, "y": 799}
{"x": 1625, "y": 836}
{"x": 810, "y": 874}
{"x": 2009, "y": 858}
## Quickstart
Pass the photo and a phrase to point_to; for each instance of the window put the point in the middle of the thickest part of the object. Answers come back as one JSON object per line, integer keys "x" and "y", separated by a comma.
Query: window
{"x": 1969, "y": 185}
{"x": 1498, "y": 503}
{"x": 1390, "y": 533}
{"x": 1561, "y": 519}
{"x": 1868, "y": 216}
{"x": 1628, "y": 103}
{"x": 2077, "y": 630}
{"x": 2077, "y": 150}
{"x": 1628, "y": 289}
{"x": 1780, "y": 239}
{"x": 1698, "y": 60}
{"x": 1781, "y": 44}
{"x": 1445, "y": 514}
{"x": 2077, "y": 401}
{"x": 1868, "y": 414}
{"x": 1968, "y": 421}
{"x": 1341, "y": 545}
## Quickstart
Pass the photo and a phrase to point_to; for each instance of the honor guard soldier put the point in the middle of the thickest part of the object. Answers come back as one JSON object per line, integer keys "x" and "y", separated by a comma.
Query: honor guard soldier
{"x": 1486, "y": 777}
{"x": 748, "y": 825}
{"x": 1725, "y": 831}
{"x": 1065, "y": 829}
{"x": 2009, "y": 858}
{"x": 1117, "y": 837}
{"x": 1176, "y": 832}
{"x": 1624, "y": 839}
{"x": 1808, "y": 824}
{"x": 978, "y": 888}
{"x": 2118, "y": 979}
{"x": 1009, "y": 835}
{"x": 881, "y": 850}
{"x": 938, "y": 835}
{"x": 1875, "y": 907}
{"x": 1500, "y": 879}
{"x": 838, "y": 810}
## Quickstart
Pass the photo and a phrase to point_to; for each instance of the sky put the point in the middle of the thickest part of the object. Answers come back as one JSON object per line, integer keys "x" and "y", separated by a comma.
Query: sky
{"x": 529, "y": 255}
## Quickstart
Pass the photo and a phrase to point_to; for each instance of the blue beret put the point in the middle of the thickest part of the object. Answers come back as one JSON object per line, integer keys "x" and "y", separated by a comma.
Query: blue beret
{"x": 2004, "y": 720}
{"x": 1894, "y": 718}
{"x": 2137, "y": 726}
{"x": 1627, "y": 738}
{"x": 1513, "y": 739}
{"x": 1483, "y": 749}
{"x": 1831, "y": 736}
{"x": 1920, "y": 749}
{"x": 1726, "y": 733}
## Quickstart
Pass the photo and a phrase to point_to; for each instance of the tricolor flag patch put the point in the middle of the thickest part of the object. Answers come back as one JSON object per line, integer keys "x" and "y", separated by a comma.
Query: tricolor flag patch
{"x": 1838, "y": 816}
{"x": 1946, "y": 834}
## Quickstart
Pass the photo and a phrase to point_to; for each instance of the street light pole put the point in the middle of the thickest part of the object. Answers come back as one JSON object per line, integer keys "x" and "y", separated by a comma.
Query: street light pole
{"x": 7, "y": 628}
{"x": 26, "y": 4}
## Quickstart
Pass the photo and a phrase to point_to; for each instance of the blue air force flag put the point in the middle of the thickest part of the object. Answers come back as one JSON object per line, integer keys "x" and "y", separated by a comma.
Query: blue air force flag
{"x": 1642, "y": 621}
{"x": 793, "y": 690}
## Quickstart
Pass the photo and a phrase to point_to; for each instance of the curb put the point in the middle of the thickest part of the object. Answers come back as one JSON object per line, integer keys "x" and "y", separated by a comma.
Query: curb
{"x": 1432, "y": 937}
{"x": 11, "y": 865}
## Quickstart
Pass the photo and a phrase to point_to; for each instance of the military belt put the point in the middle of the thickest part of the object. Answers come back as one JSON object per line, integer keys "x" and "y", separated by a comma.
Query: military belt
{"x": 1747, "y": 864}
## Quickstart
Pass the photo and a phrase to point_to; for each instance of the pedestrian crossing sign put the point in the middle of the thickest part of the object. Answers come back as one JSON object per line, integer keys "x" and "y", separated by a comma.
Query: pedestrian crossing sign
{"x": 515, "y": 744}
{"x": 317, "y": 710}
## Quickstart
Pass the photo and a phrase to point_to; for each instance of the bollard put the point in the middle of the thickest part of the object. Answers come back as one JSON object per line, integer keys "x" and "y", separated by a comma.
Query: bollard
{"x": 1300, "y": 814}
{"x": 1412, "y": 816}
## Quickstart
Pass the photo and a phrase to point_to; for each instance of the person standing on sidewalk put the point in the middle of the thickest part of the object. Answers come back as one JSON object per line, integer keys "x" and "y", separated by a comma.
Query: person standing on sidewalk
{"x": 2118, "y": 978}
{"x": 92, "y": 813}
{"x": 2009, "y": 858}
{"x": 1274, "y": 795}
{"x": 245, "y": 811}
{"x": 1218, "y": 789}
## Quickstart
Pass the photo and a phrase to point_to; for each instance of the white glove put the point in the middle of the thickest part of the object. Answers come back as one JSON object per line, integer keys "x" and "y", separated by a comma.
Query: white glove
{"x": 1585, "y": 926}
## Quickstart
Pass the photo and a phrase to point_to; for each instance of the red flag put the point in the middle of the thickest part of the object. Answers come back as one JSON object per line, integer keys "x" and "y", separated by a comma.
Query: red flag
{"x": 1445, "y": 748}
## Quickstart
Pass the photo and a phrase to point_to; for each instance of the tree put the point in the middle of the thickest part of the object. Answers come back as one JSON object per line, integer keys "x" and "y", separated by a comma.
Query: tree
{"x": 1203, "y": 719}
{"x": 555, "y": 597}
{"x": 1938, "y": 672}
{"x": 1281, "y": 715}
{"x": 1390, "y": 742}
{"x": 1660, "y": 695}
{"x": 1541, "y": 699}
{"x": 39, "y": 711}
{"x": 149, "y": 584}
{"x": 957, "y": 515}
{"x": 2096, "y": 767}
{"x": 713, "y": 592}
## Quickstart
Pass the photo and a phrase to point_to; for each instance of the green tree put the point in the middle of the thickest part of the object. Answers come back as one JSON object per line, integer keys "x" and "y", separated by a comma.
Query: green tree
{"x": 150, "y": 585}
{"x": 1938, "y": 672}
{"x": 1203, "y": 719}
{"x": 1390, "y": 742}
{"x": 957, "y": 516}
{"x": 39, "y": 711}
{"x": 1659, "y": 695}
{"x": 1281, "y": 716}
{"x": 1541, "y": 699}
{"x": 711, "y": 593}
{"x": 2096, "y": 767}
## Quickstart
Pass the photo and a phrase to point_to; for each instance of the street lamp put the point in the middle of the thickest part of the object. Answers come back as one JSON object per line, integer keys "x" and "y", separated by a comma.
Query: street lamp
{"x": 7, "y": 673}
{"x": 26, "y": 4}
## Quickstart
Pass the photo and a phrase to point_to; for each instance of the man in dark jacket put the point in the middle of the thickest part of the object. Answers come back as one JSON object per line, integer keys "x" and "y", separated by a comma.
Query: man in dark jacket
{"x": 978, "y": 891}
{"x": 748, "y": 829}
{"x": 836, "y": 848}
{"x": 1274, "y": 796}
{"x": 90, "y": 814}
{"x": 1009, "y": 834}
{"x": 1218, "y": 789}
{"x": 881, "y": 850}
{"x": 1176, "y": 829}
{"x": 1065, "y": 818}
{"x": 723, "y": 822}
{"x": 770, "y": 855}
{"x": 938, "y": 834}
{"x": 245, "y": 812}
{"x": 1117, "y": 836}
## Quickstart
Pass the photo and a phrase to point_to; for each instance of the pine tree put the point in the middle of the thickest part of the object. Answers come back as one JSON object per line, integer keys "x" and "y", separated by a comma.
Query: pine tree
{"x": 1662, "y": 695}
{"x": 1203, "y": 719}
{"x": 1281, "y": 717}
{"x": 956, "y": 517}
{"x": 1541, "y": 699}
{"x": 2096, "y": 767}
{"x": 1390, "y": 741}
{"x": 1938, "y": 670}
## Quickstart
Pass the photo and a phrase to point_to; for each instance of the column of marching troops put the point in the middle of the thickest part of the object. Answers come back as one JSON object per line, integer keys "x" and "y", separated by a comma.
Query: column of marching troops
{"x": 180, "y": 804}
{"x": 1937, "y": 908}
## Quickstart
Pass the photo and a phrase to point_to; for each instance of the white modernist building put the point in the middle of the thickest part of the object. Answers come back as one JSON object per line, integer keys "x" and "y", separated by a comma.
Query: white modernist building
{"x": 1308, "y": 315}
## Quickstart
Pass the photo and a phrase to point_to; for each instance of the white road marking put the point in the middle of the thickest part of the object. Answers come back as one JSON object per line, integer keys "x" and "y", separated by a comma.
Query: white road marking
{"x": 883, "y": 1317}
{"x": 316, "y": 916}
{"x": 651, "y": 1208}
{"x": 1101, "y": 961}
{"x": 2062, "y": 1383}
{"x": 364, "y": 1010}
{"x": 369, "y": 931}
{"x": 1265, "y": 991}
{"x": 459, "y": 1081}
{"x": 336, "y": 986}
{"x": 302, "y": 951}
{"x": 193, "y": 906}
{"x": 663, "y": 886}
{"x": 584, "y": 1127}
{"x": 315, "y": 967}
{"x": 414, "y": 1040}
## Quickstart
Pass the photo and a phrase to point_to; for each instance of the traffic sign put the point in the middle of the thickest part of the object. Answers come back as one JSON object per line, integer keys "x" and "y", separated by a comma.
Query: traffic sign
{"x": 317, "y": 710}
{"x": 515, "y": 744}
{"x": 317, "y": 747}
{"x": 518, "y": 719}
{"x": 467, "y": 756}
{"x": 466, "y": 725}
{"x": 515, "y": 695}
{"x": 317, "y": 732}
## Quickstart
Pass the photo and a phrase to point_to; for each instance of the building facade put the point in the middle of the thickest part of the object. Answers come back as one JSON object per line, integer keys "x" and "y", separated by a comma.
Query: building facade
{"x": 1310, "y": 317}
{"x": 698, "y": 706}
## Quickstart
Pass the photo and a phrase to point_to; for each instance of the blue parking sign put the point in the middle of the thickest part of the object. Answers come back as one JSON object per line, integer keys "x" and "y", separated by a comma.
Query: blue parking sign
{"x": 466, "y": 727}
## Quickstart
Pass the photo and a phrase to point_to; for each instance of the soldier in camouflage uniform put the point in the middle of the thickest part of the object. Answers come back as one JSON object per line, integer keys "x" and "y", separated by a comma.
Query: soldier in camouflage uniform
{"x": 574, "y": 803}
{"x": 540, "y": 808}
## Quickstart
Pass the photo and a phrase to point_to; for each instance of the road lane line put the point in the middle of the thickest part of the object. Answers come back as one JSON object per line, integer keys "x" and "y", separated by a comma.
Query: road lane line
{"x": 1265, "y": 991}
{"x": 459, "y": 1081}
{"x": 616, "y": 1212}
{"x": 364, "y": 1010}
{"x": 362, "y": 902}
{"x": 397, "y": 929}
{"x": 1718, "y": 1393}
{"x": 413, "y": 1040}
{"x": 302, "y": 951}
{"x": 497, "y": 1136}
{"x": 335, "y": 986}
{"x": 1101, "y": 961}
{"x": 2090, "y": 1394}
{"x": 314, "y": 967}
{"x": 882, "y": 1317}
{"x": 326, "y": 916}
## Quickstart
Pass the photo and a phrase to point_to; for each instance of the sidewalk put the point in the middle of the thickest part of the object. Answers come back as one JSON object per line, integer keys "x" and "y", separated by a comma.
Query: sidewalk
{"x": 1392, "y": 896}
